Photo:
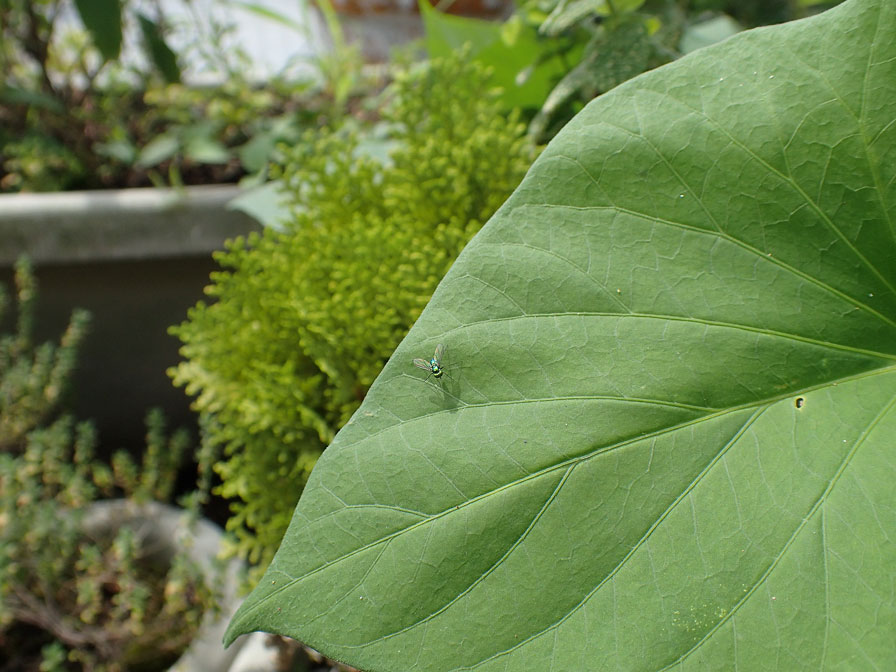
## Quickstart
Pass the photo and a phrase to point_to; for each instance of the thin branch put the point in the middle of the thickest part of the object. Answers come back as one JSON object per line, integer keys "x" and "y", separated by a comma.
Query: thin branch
{"x": 37, "y": 46}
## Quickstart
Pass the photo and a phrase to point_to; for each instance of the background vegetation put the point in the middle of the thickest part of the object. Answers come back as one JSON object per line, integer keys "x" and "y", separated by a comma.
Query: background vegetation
{"x": 70, "y": 598}
{"x": 74, "y": 114}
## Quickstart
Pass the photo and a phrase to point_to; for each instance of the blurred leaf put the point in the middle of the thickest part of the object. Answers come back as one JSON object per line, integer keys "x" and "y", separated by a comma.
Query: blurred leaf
{"x": 102, "y": 18}
{"x": 620, "y": 55}
{"x": 512, "y": 29}
{"x": 626, "y": 6}
{"x": 206, "y": 150}
{"x": 703, "y": 34}
{"x": 567, "y": 14}
{"x": 160, "y": 54}
{"x": 523, "y": 50}
{"x": 268, "y": 13}
{"x": 611, "y": 58}
{"x": 255, "y": 153}
{"x": 120, "y": 150}
{"x": 200, "y": 143}
{"x": 157, "y": 150}
{"x": 15, "y": 96}
{"x": 447, "y": 32}
{"x": 265, "y": 204}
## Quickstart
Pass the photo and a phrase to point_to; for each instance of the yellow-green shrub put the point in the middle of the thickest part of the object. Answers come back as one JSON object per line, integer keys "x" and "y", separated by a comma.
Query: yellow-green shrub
{"x": 305, "y": 318}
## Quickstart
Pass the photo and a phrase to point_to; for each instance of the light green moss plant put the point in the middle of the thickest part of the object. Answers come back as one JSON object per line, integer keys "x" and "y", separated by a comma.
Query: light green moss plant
{"x": 303, "y": 319}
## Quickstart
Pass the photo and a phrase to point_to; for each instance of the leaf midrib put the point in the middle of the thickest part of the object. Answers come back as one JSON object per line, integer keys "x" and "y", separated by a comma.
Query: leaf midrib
{"x": 698, "y": 320}
{"x": 766, "y": 257}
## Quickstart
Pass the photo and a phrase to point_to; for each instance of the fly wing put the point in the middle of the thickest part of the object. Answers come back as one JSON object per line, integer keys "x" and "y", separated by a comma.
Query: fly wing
{"x": 422, "y": 364}
{"x": 440, "y": 352}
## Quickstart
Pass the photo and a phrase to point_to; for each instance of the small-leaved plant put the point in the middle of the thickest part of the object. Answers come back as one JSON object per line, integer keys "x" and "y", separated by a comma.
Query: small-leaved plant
{"x": 73, "y": 594}
{"x": 33, "y": 378}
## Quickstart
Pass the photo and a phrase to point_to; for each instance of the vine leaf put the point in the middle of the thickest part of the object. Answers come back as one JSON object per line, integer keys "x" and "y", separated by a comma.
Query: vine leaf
{"x": 665, "y": 433}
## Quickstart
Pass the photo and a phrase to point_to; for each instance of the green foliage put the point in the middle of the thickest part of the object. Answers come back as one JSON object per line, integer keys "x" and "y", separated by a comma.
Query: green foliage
{"x": 669, "y": 439}
{"x": 102, "y": 18}
{"x": 33, "y": 378}
{"x": 306, "y": 317}
{"x": 58, "y": 83}
{"x": 553, "y": 56}
{"x": 99, "y": 599}
{"x": 73, "y": 116}
{"x": 163, "y": 58}
{"x": 100, "y": 596}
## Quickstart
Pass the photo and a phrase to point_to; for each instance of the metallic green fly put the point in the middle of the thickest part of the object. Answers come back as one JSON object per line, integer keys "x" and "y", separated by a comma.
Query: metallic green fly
{"x": 434, "y": 365}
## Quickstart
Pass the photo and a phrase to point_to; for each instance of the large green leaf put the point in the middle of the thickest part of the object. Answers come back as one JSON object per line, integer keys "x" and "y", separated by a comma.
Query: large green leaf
{"x": 667, "y": 439}
{"x": 158, "y": 51}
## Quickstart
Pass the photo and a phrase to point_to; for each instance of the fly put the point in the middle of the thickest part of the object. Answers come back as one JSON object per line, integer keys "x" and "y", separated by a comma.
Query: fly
{"x": 434, "y": 365}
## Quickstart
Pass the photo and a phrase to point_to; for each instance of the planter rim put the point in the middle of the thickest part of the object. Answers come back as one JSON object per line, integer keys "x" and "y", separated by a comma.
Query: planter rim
{"x": 119, "y": 224}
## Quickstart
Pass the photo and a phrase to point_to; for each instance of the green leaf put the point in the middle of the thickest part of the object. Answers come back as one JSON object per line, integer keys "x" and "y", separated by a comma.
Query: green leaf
{"x": 102, "y": 18}
{"x": 568, "y": 13}
{"x": 522, "y": 51}
{"x": 200, "y": 143}
{"x": 272, "y": 15}
{"x": 11, "y": 95}
{"x": 265, "y": 204}
{"x": 447, "y": 32}
{"x": 161, "y": 55}
{"x": 121, "y": 150}
{"x": 255, "y": 153}
{"x": 664, "y": 438}
{"x": 610, "y": 58}
{"x": 159, "y": 149}
{"x": 207, "y": 150}
{"x": 623, "y": 53}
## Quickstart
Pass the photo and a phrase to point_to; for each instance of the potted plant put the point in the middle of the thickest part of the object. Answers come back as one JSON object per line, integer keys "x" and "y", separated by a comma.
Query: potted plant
{"x": 88, "y": 582}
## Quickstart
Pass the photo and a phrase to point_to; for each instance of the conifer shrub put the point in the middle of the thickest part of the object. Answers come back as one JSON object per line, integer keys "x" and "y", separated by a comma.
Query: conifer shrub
{"x": 303, "y": 318}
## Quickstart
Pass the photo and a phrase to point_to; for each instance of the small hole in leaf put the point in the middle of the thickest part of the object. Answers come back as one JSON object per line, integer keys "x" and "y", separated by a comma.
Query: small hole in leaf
{"x": 799, "y": 402}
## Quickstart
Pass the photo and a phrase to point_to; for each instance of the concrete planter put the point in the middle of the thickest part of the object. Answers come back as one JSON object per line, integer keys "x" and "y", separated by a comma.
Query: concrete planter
{"x": 137, "y": 259}
{"x": 121, "y": 224}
